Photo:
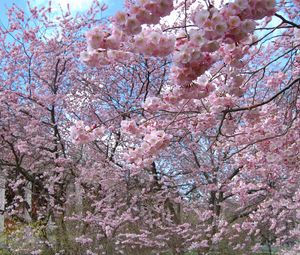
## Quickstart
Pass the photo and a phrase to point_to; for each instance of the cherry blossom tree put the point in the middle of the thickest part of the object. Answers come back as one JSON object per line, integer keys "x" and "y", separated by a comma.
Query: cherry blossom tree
{"x": 175, "y": 131}
{"x": 220, "y": 137}
{"x": 38, "y": 71}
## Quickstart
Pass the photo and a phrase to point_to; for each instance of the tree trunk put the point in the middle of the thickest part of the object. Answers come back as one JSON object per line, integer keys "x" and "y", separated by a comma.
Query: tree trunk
{"x": 2, "y": 202}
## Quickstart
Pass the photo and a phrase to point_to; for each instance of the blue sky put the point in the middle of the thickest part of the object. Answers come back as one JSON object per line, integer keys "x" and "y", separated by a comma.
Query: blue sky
{"x": 75, "y": 5}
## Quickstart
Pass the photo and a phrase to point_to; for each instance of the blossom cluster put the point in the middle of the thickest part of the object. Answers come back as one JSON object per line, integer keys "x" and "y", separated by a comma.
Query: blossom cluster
{"x": 199, "y": 89}
{"x": 153, "y": 104}
{"x": 193, "y": 54}
{"x": 154, "y": 43}
{"x": 102, "y": 43}
{"x": 235, "y": 21}
{"x": 258, "y": 9}
{"x": 130, "y": 127}
{"x": 99, "y": 38}
{"x": 95, "y": 58}
{"x": 232, "y": 54}
{"x": 81, "y": 134}
{"x": 235, "y": 86}
{"x": 103, "y": 47}
{"x": 230, "y": 25}
{"x": 153, "y": 143}
{"x": 98, "y": 58}
{"x": 196, "y": 91}
{"x": 189, "y": 63}
{"x": 145, "y": 12}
